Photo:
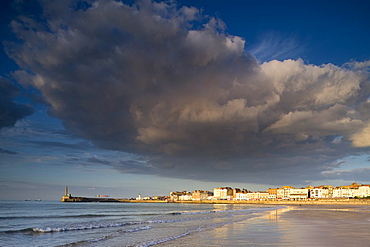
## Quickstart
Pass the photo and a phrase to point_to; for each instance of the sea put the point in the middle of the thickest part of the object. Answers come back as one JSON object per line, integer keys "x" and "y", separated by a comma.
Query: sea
{"x": 54, "y": 223}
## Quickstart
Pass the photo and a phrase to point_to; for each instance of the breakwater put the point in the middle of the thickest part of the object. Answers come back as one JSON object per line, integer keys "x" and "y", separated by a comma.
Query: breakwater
{"x": 105, "y": 199}
{"x": 91, "y": 199}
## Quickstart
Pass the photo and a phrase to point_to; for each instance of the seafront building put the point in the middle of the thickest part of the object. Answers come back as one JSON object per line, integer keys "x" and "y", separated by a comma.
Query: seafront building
{"x": 260, "y": 195}
{"x": 223, "y": 193}
{"x": 181, "y": 196}
{"x": 284, "y": 193}
{"x": 364, "y": 191}
{"x": 323, "y": 191}
{"x": 298, "y": 194}
{"x": 351, "y": 191}
{"x": 202, "y": 195}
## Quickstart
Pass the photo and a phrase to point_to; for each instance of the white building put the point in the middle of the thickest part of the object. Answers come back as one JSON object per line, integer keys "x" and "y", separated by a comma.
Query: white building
{"x": 284, "y": 192}
{"x": 244, "y": 195}
{"x": 298, "y": 194}
{"x": 288, "y": 192}
{"x": 351, "y": 191}
{"x": 272, "y": 196}
{"x": 223, "y": 193}
{"x": 239, "y": 196}
{"x": 180, "y": 196}
{"x": 201, "y": 195}
{"x": 257, "y": 196}
{"x": 321, "y": 192}
{"x": 344, "y": 192}
{"x": 186, "y": 197}
{"x": 364, "y": 191}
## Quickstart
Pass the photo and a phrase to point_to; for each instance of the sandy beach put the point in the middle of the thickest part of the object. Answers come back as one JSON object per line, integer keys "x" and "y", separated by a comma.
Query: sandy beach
{"x": 306, "y": 225}
{"x": 324, "y": 225}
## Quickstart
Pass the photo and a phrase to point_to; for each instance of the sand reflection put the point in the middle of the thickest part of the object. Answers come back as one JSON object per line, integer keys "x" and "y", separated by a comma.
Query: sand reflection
{"x": 306, "y": 225}
{"x": 324, "y": 226}
{"x": 299, "y": 226}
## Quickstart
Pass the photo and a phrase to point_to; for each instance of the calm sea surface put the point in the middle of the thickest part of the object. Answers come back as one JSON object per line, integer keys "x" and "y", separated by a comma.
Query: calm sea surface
{"x": 53, "y": 223}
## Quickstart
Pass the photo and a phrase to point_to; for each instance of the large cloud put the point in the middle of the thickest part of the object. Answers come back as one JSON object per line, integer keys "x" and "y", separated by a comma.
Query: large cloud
{"x": 170, "y": 84}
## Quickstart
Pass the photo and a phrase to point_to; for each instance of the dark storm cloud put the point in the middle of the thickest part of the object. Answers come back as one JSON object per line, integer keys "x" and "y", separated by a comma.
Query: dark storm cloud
{"x": 51, "y": 144}
{"x": 10, "y": 111}
{"x": 5, "y": 151}
{"x": 98, "y": 161}
{"x": 165, "y": 82}
{"x": 136, "y": 166}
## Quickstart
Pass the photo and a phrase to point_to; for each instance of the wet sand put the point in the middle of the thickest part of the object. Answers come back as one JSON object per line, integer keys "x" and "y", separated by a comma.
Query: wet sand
{"x": 324, "y": 225}
{"x": 306, "y": 225}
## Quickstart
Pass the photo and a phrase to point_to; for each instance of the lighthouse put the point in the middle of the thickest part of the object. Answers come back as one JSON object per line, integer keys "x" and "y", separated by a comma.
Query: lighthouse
{"x": 66, "y": 196}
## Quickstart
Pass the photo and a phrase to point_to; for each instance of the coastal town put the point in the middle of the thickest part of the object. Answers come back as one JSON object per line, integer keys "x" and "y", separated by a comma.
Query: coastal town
{"x": 284, "y": 193}
{"x": 236, "y": 195}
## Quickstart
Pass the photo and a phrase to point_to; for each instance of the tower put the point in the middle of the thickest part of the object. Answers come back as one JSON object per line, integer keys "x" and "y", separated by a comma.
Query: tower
{"x": 66, "y": 192}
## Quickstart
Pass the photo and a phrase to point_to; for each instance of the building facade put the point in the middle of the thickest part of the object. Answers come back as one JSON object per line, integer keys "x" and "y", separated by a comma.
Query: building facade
{"x": 201, "y": 195}
{"x": 284, "y": 192}
{"x": 298, "y": 194}
{"x": 223, "y": 193}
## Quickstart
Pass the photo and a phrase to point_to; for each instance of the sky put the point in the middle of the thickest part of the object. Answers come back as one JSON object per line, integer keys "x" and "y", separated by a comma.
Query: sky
{"x": 147, "y": 97}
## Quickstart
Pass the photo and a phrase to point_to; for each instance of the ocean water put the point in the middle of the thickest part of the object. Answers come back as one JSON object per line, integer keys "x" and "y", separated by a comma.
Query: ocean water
{"x": 53, "y": 223}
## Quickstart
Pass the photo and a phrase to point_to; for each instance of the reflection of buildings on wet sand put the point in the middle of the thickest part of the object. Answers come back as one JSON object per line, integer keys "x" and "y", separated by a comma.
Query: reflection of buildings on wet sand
{"x": 318, "y": 226}
{"x": 262, "y": 229}
{"x": 274, "y": 215}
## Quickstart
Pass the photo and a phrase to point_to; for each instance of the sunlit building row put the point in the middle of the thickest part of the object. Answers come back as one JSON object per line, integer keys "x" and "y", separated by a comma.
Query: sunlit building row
{"x": 284, "y": 193}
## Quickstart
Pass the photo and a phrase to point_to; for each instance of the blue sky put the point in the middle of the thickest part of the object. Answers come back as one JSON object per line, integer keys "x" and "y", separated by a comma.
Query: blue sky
{"x": 141, "y": 97}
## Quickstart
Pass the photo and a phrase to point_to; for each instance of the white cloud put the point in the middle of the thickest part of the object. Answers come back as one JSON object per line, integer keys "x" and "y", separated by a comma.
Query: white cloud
{"x": 362, "y": 137}
{"x": 332, "y": 121}
{"x": 316, "y": 85}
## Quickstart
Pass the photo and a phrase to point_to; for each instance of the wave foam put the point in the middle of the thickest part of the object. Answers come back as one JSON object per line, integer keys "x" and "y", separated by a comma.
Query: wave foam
{"x": 76, "y": 228}
{"x": 159, "y": 241}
